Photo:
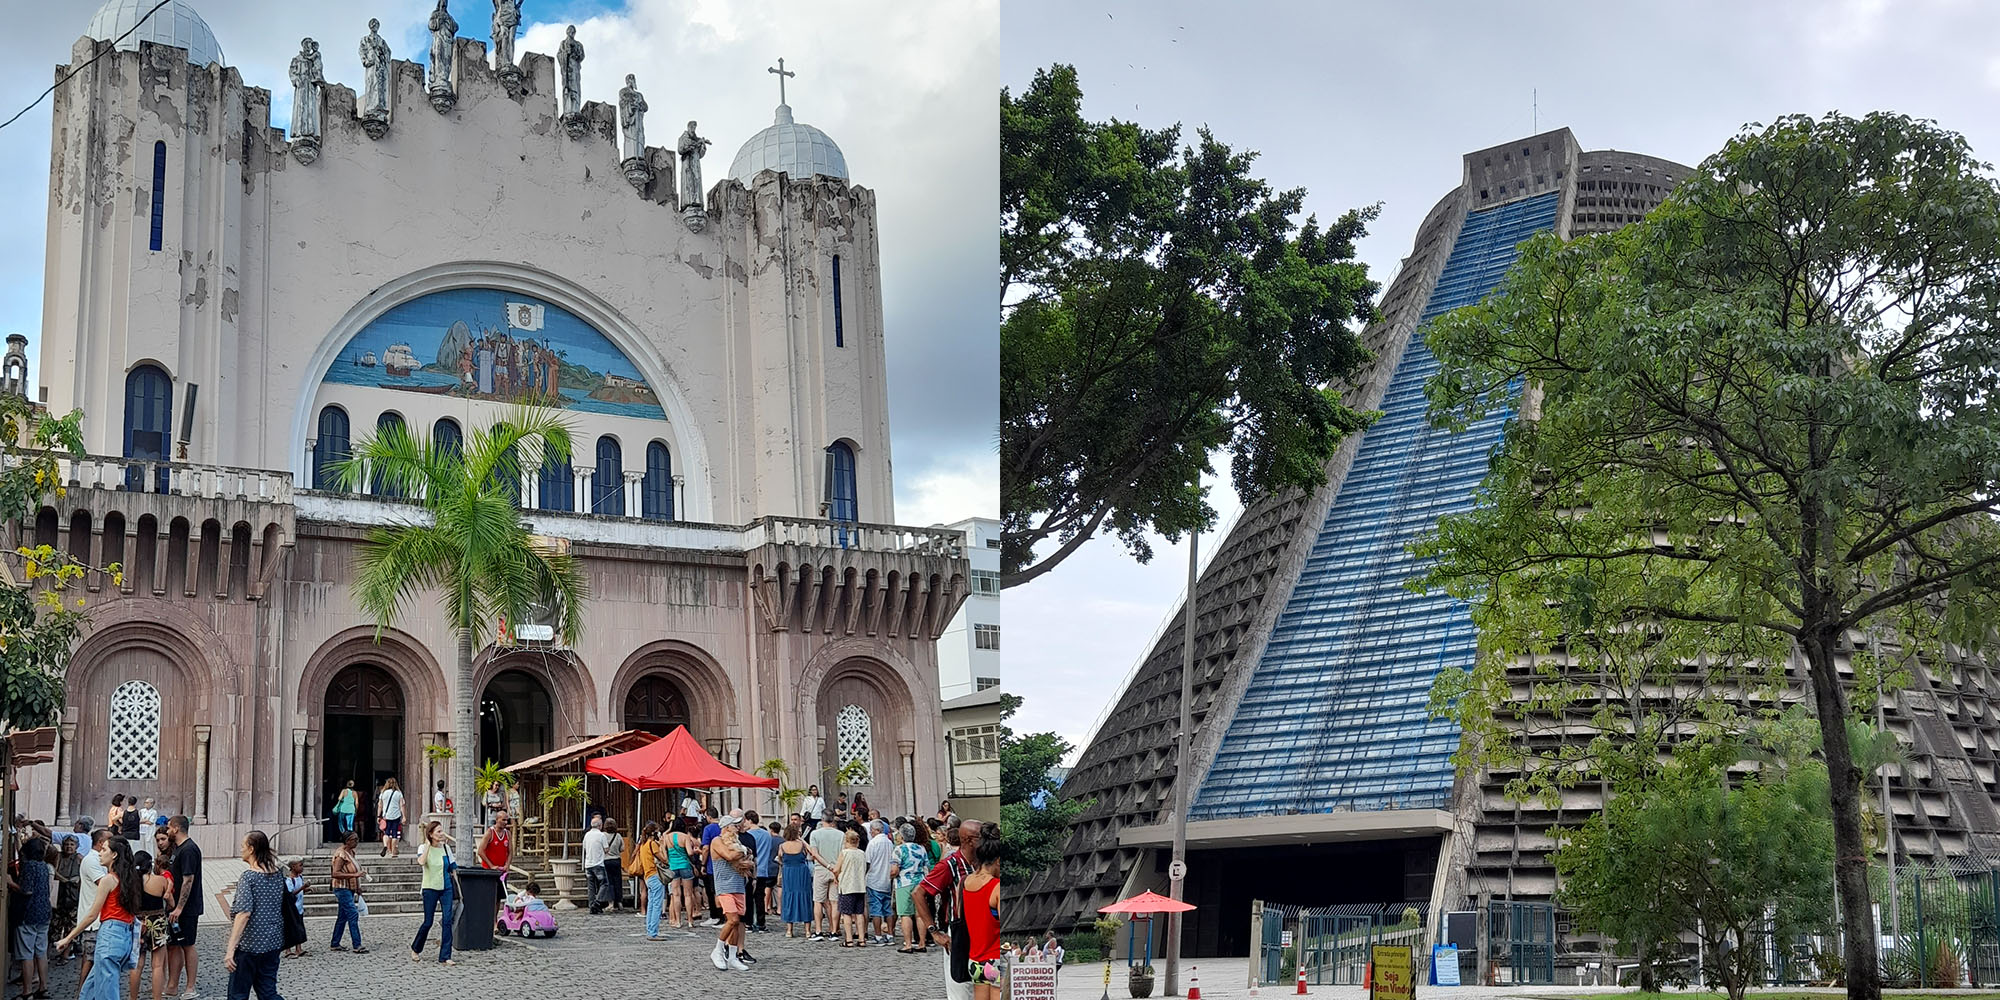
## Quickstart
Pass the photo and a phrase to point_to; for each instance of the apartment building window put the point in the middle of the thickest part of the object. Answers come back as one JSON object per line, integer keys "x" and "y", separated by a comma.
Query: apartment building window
{"x": 975, "y": 744}
{"x": 985, "y": 581}
{"x": 986, "y": 636}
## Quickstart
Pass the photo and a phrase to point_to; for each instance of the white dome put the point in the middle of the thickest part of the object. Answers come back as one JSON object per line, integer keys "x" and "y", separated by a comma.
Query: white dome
{"x": 789, "y": 148}
{"x": 176, "y": 24}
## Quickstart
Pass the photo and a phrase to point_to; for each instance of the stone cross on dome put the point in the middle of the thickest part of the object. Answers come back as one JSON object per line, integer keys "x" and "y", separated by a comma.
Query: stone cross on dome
{"x": 782, "y": 73}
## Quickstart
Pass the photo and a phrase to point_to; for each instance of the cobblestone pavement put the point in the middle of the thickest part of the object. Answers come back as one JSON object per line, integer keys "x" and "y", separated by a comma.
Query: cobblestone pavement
{"x": 607, "y": 955}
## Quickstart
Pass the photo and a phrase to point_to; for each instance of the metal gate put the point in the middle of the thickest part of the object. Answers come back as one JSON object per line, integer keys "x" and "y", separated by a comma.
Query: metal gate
{"x": 1333, "y": 944}
{"x": 1521, "y": 943}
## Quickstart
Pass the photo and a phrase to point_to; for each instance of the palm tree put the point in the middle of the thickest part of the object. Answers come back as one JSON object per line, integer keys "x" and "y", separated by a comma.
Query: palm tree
{"x": 469, "y": 546}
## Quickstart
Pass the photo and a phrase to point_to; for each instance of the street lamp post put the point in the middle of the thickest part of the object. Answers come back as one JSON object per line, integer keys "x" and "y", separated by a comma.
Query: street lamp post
{"x": 1183, "y": 793}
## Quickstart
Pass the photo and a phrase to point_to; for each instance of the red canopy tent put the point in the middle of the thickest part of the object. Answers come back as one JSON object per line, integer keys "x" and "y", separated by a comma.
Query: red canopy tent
{"x": 675, "y": 761}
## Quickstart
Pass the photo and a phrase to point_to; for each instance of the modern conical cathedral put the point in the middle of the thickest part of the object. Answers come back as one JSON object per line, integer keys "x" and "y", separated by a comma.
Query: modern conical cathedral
{"x": 1321, "y": 778}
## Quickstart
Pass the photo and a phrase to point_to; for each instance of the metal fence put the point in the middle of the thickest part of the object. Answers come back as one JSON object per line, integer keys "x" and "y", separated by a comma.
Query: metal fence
{"x": 1331, "y": 943}
{"x": 1939, "y": 928}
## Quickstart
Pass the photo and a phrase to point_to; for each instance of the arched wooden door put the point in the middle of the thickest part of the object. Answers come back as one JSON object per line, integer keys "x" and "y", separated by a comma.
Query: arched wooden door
{"x": 362, "y": 742}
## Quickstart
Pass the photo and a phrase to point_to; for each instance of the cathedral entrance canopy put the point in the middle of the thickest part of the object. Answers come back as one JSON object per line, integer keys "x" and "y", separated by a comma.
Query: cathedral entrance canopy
{"x": 676, "y": 761}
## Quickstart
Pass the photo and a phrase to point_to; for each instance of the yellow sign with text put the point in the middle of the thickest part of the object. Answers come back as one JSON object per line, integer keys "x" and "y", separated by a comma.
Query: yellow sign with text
{"x": 1394, "y": 978}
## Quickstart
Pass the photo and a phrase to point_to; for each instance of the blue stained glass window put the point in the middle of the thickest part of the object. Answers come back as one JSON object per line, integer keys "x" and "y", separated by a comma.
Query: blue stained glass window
{"x": 384, "y": 424}
{"x": 656, "y": 491}
{"x": 1336, "y": 715}
{"x": 558, "y": 484}
{"x": 447, "y": 436}
{"x": 331, "y": 448}
{"x": 839, "y": 333}
{"x": 607, "y": 486}
{"x": 149, "y": 406}
{"x": 845, "y": 501}
{"x": 159, "y": 194}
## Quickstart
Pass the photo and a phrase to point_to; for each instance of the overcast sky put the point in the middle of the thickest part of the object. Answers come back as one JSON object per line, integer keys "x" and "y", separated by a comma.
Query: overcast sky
{"x": 1367, "y": 102}
{"x": 906, "y": 89}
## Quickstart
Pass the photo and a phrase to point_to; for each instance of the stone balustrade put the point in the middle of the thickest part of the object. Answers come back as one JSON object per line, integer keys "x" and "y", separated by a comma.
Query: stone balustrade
{"x": 213, "y": 482}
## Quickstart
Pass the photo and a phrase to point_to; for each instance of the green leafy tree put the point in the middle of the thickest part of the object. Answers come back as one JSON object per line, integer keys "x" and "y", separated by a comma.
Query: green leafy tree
{"x": 469, "y": 557}
{"x": 1760, "y": 421}
{"x": 1034, "y": 817}
{"x": 1687, "y": 852}
{"x": 1158, "y": 303}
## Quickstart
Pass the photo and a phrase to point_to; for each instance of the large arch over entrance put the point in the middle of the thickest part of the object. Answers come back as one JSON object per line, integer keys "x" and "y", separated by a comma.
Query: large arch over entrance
{"x": 375, "y": 704}
{"x": 517, "y": 718}
{"x": 656, "y": 705}
{"x": 567, "y": 715}
{"x": 866, "y": 707}
{"x": 685, "y": 668}
{"x": 139, "y": 687}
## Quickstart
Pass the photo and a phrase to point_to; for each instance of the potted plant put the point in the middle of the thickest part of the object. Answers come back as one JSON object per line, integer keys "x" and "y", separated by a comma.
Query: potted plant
{"x": 788, "y": 798}
{"x": 1140, "y": 980}
{"x": 565, "y": 868}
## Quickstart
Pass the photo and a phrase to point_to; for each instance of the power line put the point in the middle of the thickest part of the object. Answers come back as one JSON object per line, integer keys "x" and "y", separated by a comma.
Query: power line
{"x": 86, "y": 63}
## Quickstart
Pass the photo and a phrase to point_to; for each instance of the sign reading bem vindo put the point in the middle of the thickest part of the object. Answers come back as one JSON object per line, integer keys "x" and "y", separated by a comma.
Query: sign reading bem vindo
{"x": 1392, "y": 979}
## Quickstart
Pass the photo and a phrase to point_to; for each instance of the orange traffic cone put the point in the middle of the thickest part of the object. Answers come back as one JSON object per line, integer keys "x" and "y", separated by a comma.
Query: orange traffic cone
{"x": 1368, "y": 976}
{"x": 1302, "y": 981}
{"x": 1194, "y": 982}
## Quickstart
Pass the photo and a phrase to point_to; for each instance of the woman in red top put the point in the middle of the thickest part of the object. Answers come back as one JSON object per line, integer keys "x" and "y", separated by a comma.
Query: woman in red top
{"x": 979, "y": 900}
{"x": 117, "y": 899}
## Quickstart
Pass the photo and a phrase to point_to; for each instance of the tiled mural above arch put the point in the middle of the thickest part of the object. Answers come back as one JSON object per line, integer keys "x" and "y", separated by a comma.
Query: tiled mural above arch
{"x": 497, "y": 346}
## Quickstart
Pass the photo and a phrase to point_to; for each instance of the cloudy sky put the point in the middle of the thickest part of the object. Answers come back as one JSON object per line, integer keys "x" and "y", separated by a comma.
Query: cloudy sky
{"x": 1367, "y": 102}
{"x": 906, "y": 89}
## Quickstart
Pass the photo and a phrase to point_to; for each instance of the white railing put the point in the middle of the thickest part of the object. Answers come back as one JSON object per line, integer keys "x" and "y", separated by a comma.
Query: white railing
{"x": 214, "y": 482}
{"x": 856, "y": 536}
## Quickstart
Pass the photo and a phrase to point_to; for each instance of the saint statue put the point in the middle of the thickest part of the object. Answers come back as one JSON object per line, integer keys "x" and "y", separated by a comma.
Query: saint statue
{"x": 444, "y": 35}
{"x": 569, "y": 55}
{"x": 632, "y": 113}
{"x": 506, "y": 22}
{"x": 691, "y": 149}
{"x": 307, "y": 77}
{"x": 374, "y": 72}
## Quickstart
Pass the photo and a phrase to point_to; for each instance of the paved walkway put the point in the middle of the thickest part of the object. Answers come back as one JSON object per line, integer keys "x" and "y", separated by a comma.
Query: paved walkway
{"x": 606, "y": 957}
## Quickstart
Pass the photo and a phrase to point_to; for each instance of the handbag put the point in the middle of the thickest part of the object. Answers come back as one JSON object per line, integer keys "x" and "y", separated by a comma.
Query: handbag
{"x": 295, "y": 922}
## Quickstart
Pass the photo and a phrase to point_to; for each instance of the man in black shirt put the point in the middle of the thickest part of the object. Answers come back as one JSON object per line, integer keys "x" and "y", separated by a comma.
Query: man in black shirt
{"x": 188, "y": 891}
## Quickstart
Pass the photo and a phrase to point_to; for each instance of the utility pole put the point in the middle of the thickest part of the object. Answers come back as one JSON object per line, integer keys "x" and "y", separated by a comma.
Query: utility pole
{"x": 1882, "y": 775}
{"x": 1183, "y": 790}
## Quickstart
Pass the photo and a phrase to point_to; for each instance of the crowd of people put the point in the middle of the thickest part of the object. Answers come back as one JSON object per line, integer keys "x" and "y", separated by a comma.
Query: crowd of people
{"x": 831, "y": 871}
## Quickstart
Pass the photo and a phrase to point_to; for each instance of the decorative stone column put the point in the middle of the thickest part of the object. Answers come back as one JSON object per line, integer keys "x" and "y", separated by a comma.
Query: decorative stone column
{"x": 907, "y": 750}
{"x": 680, "y": 498}
{"x": 313, "y": 784}
{"x": 201, "y": 734}
{"x": 298, "y": 774}
{"x": 312, "y": 461}
{"x": 586, "y": 500}
{"x": 527, "y": 490}
{"x": 734, "y": 748}
{"x": 65, "y": 772}
{"x": 632, "y": 481}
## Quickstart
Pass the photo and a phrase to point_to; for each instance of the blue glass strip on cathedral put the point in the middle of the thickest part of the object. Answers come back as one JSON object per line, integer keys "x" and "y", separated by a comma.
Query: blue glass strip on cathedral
{"x": 1336, "y": 716}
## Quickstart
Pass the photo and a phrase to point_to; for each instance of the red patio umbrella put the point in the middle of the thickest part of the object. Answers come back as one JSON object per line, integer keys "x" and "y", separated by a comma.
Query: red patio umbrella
{"x": 1147, "y": 902}
{"x": 676, "y": 761}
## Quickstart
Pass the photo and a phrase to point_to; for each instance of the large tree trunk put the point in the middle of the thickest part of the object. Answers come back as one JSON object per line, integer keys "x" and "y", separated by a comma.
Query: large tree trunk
{"x": 465, "y": 735}
{"x": 1850, "y": 850}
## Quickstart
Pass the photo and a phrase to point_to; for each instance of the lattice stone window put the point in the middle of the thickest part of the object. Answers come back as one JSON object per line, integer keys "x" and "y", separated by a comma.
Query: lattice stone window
{"x": 857, "y": 742}
{"x": 135, "y": 733}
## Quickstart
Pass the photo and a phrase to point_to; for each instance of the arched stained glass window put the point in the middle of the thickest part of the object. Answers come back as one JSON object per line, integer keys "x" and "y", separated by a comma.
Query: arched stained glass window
{"x": 149, "y": 403}
{"x": 384, "y": 424}
{"x": 558, "y": 484}
{"x": 656, "y": 494}
{"x": 857, "y": 742}
{"x": 843, "y": 501}
{"x": 331, "y": 449}
{"x": 134, "y": 753}
{"x": 446, "y": 436}
{"x": 607, "y": 487}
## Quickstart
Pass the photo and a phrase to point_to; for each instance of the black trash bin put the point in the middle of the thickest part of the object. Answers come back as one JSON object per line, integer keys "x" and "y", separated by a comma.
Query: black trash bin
{"x": 478, "y": 908}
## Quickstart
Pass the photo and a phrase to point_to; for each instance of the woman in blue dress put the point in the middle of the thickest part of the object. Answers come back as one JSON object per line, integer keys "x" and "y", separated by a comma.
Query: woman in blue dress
{"x": 795, "y": 904}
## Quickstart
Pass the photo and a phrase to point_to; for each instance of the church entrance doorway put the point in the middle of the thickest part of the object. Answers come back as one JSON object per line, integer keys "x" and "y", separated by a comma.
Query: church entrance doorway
{"x": 656, "y": 705}
{"x": 516, "y": 719}
{"x": 363, "y": 743}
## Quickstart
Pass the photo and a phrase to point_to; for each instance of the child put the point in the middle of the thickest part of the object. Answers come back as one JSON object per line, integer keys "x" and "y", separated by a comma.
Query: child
{"x": 527, "y": 915}
{"x": 295, "y": 881}
{"x": 850, "y": 876}
{"x": 979, "y": 900}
